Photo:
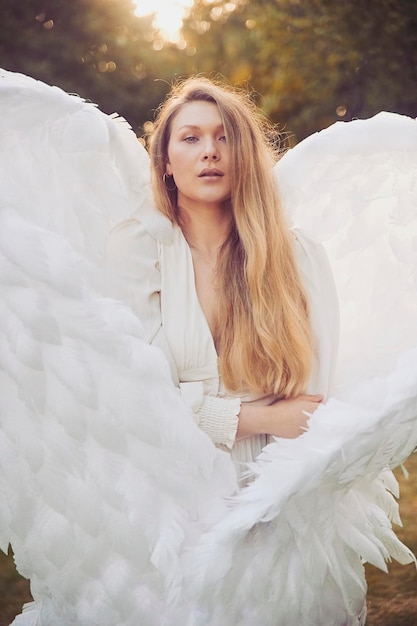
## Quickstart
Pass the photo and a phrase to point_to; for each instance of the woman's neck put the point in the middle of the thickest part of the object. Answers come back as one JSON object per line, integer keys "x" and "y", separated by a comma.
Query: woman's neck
{"x": 205, "y": 230}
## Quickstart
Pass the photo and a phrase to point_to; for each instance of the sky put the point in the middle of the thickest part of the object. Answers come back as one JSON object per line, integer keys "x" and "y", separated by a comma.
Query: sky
{"x": 168, "y": 15}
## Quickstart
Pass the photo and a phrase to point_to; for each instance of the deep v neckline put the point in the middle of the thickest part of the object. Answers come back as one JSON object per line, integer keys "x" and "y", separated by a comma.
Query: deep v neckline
{"x": 192, "y": 277}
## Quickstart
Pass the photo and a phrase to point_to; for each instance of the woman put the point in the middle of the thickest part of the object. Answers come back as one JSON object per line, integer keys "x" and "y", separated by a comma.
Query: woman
{"x": 128, "y": 515}
{"x": 224, "y": 297}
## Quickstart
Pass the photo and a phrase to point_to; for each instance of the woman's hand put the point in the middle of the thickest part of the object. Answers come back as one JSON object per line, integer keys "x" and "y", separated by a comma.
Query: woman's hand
{"x": 288, "y": 418}
{"x": 284, "y": 418}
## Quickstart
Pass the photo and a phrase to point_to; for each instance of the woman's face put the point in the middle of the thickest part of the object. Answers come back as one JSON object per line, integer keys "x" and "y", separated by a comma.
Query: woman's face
{"x": 198, "y": 156}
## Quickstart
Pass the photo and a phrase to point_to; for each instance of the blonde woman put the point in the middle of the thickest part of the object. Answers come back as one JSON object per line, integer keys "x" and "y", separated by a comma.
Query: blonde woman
{"x": 132, "y": 515}
{"x": 227, "y": 294}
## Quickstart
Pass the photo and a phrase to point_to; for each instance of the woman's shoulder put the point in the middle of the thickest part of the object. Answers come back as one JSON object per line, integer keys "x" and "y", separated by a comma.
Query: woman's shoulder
{"x": 152, "y": 222}
{"x": 140, "y": 233}
{"x": 308, "y": 251}
{"x": 132, "y": 227}
{"x": 314, "y": 266}
{"x": 146, "y": 222}
{"x": 128, "y": 238}
{"x": 132, "y": 270}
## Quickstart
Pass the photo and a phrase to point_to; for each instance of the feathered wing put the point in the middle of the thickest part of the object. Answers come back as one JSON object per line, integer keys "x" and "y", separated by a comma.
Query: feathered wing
{"x": 66, "y": 166}
{"x": 353, "y": 187}
{"x": 104, "y": 477}
{"x": 289, "y": 551}
{"x": 111, "y": 493}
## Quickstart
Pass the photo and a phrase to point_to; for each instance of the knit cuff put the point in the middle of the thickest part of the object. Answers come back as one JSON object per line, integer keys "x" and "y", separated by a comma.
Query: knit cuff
{"x": 218, "y": 418}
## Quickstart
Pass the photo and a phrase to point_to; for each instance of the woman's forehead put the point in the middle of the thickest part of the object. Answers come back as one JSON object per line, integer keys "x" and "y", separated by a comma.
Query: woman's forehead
{"x": 197, "y": 114}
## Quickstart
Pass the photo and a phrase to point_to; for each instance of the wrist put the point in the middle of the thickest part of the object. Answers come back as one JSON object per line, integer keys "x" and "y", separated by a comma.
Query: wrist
{"x": 253, "y": 420}
{"x": 266, "y": 420}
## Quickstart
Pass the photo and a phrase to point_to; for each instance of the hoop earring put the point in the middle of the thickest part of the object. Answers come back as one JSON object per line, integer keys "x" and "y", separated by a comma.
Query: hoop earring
{"x": 165, "y": 178}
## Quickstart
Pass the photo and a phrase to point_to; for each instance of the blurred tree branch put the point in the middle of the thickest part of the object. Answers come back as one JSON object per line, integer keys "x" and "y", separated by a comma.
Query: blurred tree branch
{"x": 307, "y": 62}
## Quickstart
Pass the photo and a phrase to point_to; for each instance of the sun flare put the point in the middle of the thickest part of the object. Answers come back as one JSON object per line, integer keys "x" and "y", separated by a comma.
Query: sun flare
{"x": 168, "y": 15}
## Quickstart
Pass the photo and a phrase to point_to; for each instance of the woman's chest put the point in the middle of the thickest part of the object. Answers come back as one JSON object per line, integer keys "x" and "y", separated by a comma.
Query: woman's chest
{"x": 188, "y": 311}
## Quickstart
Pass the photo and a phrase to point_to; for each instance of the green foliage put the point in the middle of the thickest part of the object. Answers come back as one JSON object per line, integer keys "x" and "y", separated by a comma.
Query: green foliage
{"x": 96, "y": 48}
{"x": 314, "y": 61}
{"x": 308, "y": 62}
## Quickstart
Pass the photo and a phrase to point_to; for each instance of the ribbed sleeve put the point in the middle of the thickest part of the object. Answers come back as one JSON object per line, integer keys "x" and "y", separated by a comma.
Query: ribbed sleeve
{"x": 218, "y": 418}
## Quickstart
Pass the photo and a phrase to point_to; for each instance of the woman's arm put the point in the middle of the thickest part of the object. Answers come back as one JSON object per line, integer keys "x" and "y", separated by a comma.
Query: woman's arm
{"x": 285, "y": 418}
{"x": 131, "y": 264}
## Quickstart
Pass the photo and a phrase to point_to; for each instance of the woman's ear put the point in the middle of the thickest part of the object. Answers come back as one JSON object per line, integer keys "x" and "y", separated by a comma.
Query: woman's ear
{"x": 168, "y": 169}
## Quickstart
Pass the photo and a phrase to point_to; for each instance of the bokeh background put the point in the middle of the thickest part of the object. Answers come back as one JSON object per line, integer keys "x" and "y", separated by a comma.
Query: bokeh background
{"x": 307, "y": 63}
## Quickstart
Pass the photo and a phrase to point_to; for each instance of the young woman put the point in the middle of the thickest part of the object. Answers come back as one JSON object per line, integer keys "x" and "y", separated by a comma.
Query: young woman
{"x": 131, "y": 514}
{"x": 228, "y": 296}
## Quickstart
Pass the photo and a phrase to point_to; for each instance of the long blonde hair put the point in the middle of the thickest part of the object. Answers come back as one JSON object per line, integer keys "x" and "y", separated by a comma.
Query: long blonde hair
{"x": 265, "y": 343}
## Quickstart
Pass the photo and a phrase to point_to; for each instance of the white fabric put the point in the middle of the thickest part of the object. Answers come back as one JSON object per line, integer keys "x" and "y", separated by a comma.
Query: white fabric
{"x": 158, "y": 277}
{"x": 218, "y": 417}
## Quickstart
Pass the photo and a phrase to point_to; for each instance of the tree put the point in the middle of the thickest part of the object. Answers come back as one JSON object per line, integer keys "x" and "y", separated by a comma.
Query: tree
{"x": 96, "y": 48}
{"x": 307, "y": 62}
{"x": 313, "y": 61}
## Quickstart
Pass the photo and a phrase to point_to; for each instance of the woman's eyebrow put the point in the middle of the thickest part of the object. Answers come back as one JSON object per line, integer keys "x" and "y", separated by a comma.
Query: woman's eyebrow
{"x": 196, "y": 127}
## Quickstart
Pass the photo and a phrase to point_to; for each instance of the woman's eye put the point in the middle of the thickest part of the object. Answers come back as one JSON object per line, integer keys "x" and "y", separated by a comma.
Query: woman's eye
{"x": 223, "y": 138}
{"x": 190, "y": 139}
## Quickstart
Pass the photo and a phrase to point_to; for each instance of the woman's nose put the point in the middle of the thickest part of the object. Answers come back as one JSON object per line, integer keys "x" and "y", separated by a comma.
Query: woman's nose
{"x": 210, "y": 151}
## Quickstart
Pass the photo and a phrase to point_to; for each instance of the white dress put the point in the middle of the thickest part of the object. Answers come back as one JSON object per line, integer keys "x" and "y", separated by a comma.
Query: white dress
{"x": 159, "y": 276}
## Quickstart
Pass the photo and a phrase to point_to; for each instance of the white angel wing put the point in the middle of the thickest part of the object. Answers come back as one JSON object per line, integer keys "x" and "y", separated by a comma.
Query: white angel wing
{"x": 288, "y": 553}
{"x": 353, "y": 187}
{"x": 78, "y": 170}
{"x": 104, "y": 477}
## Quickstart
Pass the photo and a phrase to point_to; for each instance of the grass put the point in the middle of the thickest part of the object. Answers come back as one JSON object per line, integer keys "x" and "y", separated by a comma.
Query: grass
{"x": 14, "y": 590}
{"x": 392, "y": 598}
